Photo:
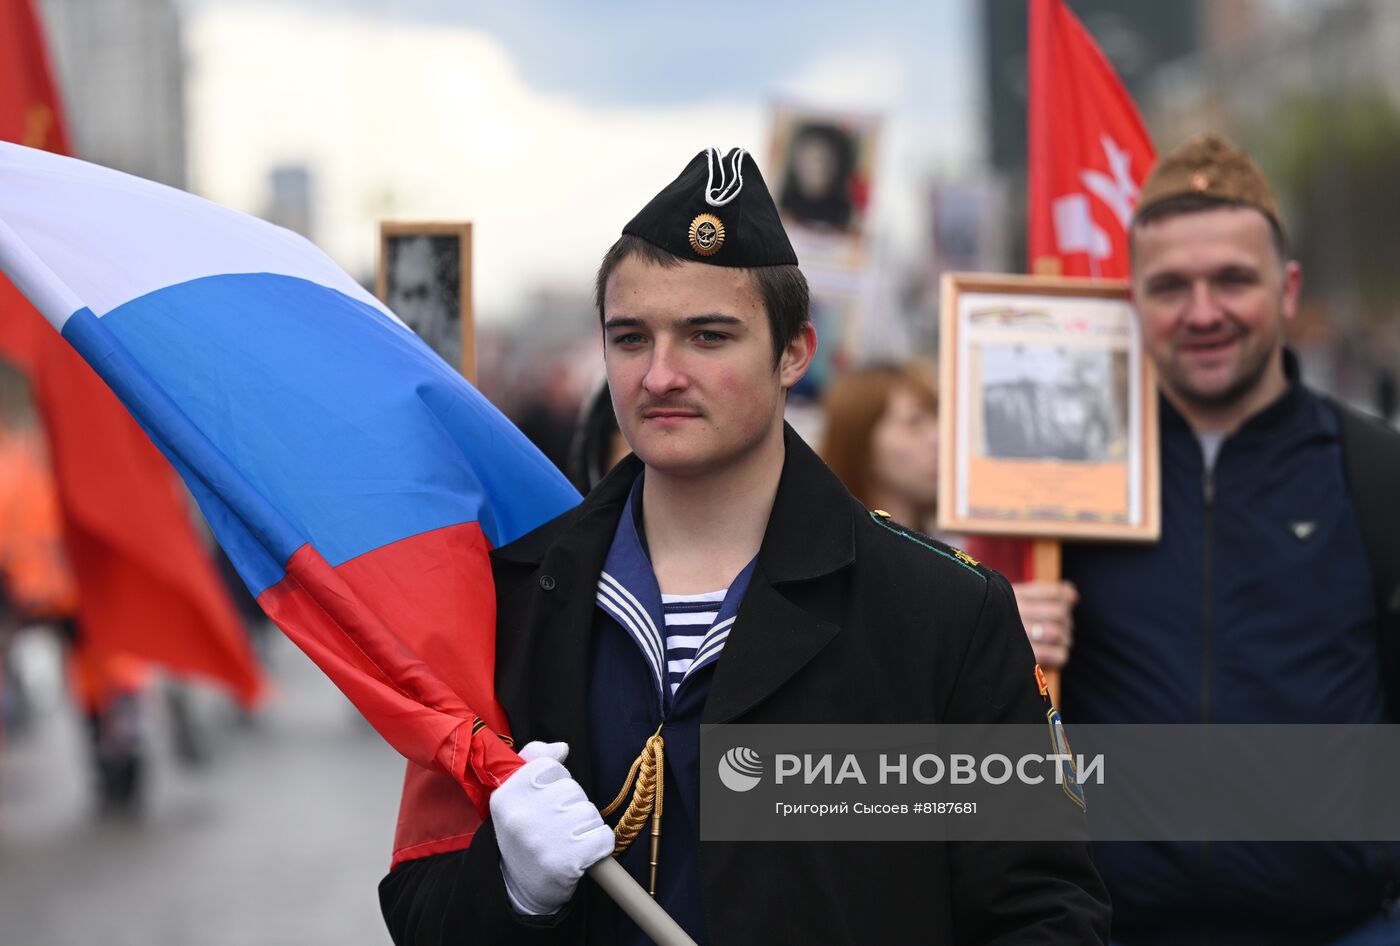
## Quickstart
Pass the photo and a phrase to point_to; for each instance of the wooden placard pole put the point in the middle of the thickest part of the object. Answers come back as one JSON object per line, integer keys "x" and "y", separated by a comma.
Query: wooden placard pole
{"x": 1045, "y": 566}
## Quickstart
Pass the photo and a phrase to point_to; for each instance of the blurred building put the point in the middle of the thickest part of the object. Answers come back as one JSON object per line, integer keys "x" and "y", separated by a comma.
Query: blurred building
{"x": 289, "y": 198}
{"x": 120, "y": 71}
{"x": 1256, "y": 56}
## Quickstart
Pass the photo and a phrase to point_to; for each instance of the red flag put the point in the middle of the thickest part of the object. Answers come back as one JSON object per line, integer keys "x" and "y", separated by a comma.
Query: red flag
{"x": 29, "y": 107}
{"x": 1089, "y": 151}
{"x": 146, "y": 585}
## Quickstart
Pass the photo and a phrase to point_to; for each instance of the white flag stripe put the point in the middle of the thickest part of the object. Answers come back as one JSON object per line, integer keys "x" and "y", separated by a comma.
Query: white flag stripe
{"x": 49, "y": 294}
{"x": 139, "y": 236}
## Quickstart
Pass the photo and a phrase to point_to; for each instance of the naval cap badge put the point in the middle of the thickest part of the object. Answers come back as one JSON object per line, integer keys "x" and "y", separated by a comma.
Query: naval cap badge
{"x": 706, "y": 234}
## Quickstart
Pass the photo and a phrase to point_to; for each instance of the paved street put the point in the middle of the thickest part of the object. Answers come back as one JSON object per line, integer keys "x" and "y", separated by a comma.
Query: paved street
{"x": 280, "y": 838}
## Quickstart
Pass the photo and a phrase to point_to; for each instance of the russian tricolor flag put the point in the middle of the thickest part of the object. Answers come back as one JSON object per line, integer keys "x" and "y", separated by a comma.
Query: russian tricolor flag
{"x": 356, "y": 480}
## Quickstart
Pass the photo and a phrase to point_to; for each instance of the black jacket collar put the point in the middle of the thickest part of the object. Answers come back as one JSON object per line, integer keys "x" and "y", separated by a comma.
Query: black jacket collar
{"x": 810, "y": 533}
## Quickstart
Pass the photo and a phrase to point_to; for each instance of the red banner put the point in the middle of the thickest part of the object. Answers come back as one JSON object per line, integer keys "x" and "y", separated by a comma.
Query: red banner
{"x": 1089, "y": 151}
{"x": 146, "y": 584}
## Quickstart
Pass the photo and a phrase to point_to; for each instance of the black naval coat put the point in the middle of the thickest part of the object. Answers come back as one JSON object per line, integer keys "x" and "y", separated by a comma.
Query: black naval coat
{"x": 848, "y": 618}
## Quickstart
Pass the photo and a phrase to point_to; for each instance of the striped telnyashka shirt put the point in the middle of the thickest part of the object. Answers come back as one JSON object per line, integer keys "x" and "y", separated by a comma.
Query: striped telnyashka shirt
{"x": 689, "y": 620}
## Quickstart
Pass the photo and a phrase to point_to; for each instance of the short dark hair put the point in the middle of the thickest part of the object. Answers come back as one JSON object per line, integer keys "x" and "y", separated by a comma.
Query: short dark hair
{"x": 1183, "y": 204}
{"x": 592, "y": 445}
{"x": 783, "y": 289}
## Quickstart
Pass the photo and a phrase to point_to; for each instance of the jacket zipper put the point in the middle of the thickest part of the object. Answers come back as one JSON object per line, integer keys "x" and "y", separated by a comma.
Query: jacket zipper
{"x": 1207, "y": 528}
{"x": 1207, "y": 542}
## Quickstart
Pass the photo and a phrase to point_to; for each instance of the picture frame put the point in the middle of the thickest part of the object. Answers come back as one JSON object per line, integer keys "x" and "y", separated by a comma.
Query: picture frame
{"x": 1047, "y": 411}
{"x": 425, "y": 278}
{"x": 823, "y": 165}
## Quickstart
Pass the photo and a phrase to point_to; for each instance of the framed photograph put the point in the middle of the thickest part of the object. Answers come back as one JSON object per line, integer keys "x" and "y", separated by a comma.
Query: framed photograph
{"x": 824, "y": 164}
{"x": 425, "y": 278}
{"x": 1047, "y": 411}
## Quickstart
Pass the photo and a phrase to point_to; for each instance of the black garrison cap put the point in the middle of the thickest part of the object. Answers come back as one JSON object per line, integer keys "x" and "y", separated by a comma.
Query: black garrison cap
{"x": 719, "y": 212}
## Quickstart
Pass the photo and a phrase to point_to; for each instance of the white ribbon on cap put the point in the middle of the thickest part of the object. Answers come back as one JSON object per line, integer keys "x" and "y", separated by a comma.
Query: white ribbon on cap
{"x": 730, "y": 183}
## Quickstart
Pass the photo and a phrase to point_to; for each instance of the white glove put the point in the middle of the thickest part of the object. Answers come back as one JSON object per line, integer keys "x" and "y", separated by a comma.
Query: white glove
{"x": 548, "y": 831}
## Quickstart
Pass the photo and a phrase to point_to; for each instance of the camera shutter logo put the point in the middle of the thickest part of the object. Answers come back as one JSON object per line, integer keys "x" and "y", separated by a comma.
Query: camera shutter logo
{"x": 706, "y": 234}
{"x": 740, "y": 769}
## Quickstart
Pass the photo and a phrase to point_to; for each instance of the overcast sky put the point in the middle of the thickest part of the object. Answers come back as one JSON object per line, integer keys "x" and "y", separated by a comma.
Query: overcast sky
{"x": 550, "y": 124}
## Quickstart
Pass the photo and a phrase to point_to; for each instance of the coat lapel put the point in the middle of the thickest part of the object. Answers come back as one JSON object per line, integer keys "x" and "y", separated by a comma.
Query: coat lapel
{"x": 810, "y": 534}
{"x": 771, "y": 640}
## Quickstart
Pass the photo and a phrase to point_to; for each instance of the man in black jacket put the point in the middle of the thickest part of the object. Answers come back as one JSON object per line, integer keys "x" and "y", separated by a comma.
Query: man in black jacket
{"x": 724, "y": 575}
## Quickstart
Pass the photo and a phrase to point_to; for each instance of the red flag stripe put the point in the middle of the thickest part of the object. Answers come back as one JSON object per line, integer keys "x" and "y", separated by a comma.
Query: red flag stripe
{"x": 434, "y": 589}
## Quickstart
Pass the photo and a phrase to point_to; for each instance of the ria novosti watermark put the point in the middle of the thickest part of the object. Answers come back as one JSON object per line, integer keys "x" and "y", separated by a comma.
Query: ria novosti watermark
{"x": 1025, "y": 782}
{"x": 741, "y": 769}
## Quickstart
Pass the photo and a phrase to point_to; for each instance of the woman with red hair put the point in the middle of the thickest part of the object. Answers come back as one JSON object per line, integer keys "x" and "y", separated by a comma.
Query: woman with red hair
{"x": 881, "y": 439}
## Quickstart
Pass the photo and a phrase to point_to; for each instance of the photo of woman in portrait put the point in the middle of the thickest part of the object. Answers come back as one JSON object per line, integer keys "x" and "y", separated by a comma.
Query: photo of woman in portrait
{"x": 818, "y": 177}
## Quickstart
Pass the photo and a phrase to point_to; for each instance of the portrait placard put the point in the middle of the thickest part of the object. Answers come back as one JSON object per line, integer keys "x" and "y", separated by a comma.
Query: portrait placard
{"x": 1048, "y": 411}
{"x": 425, "y": 278}
{"x": 825, "y": 163}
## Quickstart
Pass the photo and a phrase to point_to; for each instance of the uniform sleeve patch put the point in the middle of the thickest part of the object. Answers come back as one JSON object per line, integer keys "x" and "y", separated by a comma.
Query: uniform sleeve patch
{"x": 1069, "y": 772}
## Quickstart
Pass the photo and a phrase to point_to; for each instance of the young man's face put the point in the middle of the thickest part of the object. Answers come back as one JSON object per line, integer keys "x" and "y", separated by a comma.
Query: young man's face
{"x": 1213, "y": 297}
{"x": 689, "y": 355}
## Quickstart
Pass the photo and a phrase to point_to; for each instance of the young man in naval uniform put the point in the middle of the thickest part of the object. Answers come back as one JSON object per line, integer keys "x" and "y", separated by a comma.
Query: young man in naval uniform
{"x": 722, "y": 574}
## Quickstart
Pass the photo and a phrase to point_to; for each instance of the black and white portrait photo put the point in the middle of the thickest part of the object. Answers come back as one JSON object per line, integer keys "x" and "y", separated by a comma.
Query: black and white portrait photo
{"x": 1053, "y": 403}
{"x": 423, "y": 286}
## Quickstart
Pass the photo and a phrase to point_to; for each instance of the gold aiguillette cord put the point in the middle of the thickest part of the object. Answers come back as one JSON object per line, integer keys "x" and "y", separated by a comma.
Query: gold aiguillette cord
{"x": 649, "y": 772}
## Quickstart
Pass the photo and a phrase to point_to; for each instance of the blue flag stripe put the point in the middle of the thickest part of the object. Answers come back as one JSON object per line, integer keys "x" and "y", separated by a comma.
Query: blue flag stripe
{"x": 292, "y": 390}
